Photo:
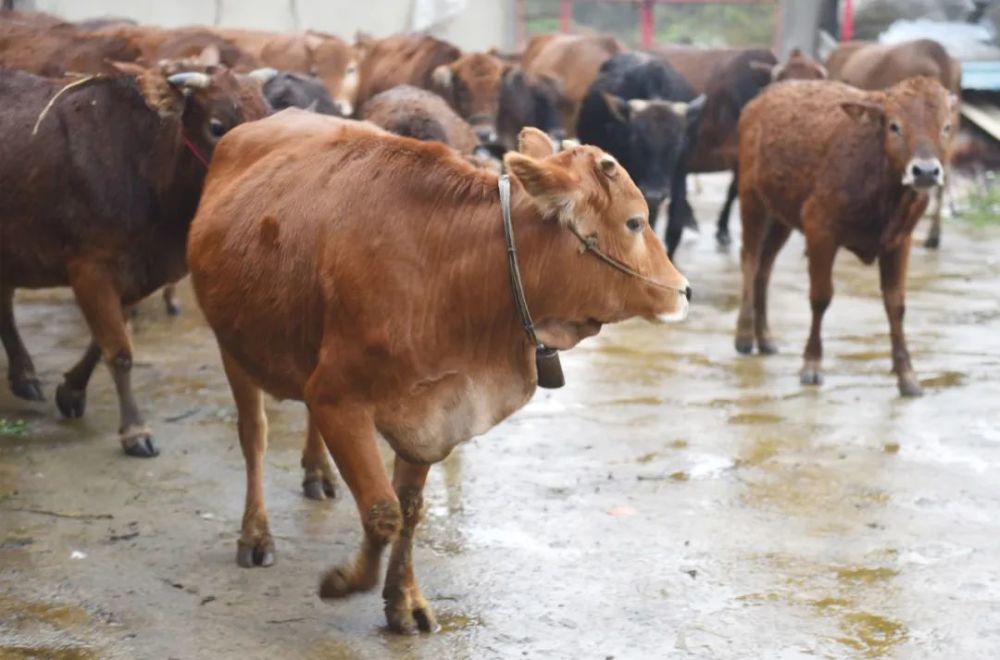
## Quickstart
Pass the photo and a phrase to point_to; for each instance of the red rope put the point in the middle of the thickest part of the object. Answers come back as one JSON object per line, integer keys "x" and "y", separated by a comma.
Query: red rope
{"x": 194, "y": 150}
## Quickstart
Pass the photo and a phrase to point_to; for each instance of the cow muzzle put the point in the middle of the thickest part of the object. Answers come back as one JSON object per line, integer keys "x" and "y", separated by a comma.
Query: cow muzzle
{"x": 683, "y": 306}
{"x": 487, "y": 134}
{"x": 344, "y": 107}
{"x": 924, "y": 173}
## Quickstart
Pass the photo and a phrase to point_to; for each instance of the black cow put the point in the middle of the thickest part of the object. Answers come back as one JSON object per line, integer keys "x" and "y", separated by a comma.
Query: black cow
{"x": 641, "y": 111}
{"x": 101, "y": 177}
{"x": 287, "y": 89}
{"x": 528, "y": 102}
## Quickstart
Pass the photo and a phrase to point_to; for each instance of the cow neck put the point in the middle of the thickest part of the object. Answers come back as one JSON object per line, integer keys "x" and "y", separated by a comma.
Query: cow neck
{"x": 193, "y": 148}
{"x": 547, "y": 365}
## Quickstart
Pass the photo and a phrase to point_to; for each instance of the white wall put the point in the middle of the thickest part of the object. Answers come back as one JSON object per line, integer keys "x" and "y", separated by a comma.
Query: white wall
{"x": 482, "y": 25}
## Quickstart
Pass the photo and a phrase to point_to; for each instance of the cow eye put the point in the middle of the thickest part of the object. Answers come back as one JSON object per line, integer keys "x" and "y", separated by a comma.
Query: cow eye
{"x": 216, "y": 128}
{"x": 895, "y": 127}
{"x": 635, "y": 225}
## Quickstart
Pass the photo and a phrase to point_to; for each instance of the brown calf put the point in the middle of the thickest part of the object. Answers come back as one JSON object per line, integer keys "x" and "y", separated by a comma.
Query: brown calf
{"x": 849, "y": 169}
{"x": 872, "y": 66}
{"x": 384, "y": 302}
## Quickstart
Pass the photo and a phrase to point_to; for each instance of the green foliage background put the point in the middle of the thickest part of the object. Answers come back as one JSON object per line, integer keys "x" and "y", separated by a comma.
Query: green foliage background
{"x": 708, "y": 25}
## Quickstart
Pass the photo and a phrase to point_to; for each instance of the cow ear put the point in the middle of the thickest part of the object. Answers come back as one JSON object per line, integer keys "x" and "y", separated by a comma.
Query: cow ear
{"x": 617, "y": 106}
{"x": 533, "y": 142}
{"x": 442, "y": 76}
{"x": 864, "y": 111}
{"x": 549, "y": 185}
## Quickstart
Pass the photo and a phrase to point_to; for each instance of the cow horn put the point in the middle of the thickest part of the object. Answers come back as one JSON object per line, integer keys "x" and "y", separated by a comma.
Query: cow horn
{"x": 637, "y": 105}
{"x": 680, "y": 109}
{"x": 263, "y": 76}
{"x": 190, "y": 80}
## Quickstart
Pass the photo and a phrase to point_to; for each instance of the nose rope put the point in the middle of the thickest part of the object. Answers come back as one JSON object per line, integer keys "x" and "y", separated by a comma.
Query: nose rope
{"x": 194, "y": 150}
{"x": 589, "y": 244}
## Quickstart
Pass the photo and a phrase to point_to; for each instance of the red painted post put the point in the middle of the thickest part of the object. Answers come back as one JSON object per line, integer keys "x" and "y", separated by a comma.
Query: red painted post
{"x": 565, "y": 16}
{"x": 847, "y": 26}
{"x": 646, "y": 24}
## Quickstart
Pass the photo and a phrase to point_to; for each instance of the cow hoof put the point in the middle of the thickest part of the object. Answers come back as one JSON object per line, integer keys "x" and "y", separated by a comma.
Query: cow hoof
{"x": 767, "y": 347}
{"x": 260, "y": 553}
{"x": 932, "y": 242}
{"x": 138, "y": 441}
{"x": 71, "y": 402}
{"x": 173, "y": 308}
{"x": 723, "y": 239}
{"x": 910, "y": 387}
{"x": 26, "y": 388}
{"x": 811, "y": 376}
{"x": 744, "y": 346}
{"x": 410, "y": 616}
{"x": 318, "y": 488}
{"x": 336, "y": 583}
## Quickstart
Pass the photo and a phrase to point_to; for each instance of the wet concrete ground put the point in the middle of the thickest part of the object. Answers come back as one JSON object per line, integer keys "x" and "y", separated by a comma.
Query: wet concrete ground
{"x": 674, "y": 500}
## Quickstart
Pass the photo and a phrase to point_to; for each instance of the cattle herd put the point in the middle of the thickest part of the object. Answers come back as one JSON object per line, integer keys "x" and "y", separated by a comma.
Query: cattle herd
{"x": 362, "y": 265}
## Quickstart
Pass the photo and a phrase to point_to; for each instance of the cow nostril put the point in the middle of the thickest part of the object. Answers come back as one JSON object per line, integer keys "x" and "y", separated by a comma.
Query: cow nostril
{"x": 916, "y": 170}
{"x": 687, "y": 293}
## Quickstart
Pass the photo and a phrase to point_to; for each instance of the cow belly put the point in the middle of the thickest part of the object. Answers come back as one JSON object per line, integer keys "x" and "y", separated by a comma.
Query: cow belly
{"x": 447, "y": 409}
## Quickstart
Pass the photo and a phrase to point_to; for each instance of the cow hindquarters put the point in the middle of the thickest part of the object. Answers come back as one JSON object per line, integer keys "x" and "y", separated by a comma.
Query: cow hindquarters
{"x": 349, "y": 433}
{"x": 20, "y": 369}
{"x": 100, "y": 301}
{"x": 255, "y": 546}
{"x": 406, "y": 609}
{"x": 892, "y": 271}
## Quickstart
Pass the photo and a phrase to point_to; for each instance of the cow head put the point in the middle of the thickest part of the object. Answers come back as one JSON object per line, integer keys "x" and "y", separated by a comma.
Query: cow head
{"x": 211, "y": 102}
{"x": 916, "y": 119}
{"x": 585, "y": 190}
{"x": 335, "y": 63}
{"x": 528, "y": 101}
{"x": 286, "y": 89}
{"x": 471, "y": 85}
{"x": 648, "y": 138}
{"x": 798, "y": 67}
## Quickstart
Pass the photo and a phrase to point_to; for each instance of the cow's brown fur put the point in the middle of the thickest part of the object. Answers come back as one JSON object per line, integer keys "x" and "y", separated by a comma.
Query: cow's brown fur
{"x": 53, "y": 50}
{"x": 156, "y": 44}
{"x": 872, "y": 66}
{"x": 417, "y": 113}
{"x": 366, "y": 274}
{"x": 573, "y": 62}
{"x": 403, "y": 59}
{"x": 825, "y": 158}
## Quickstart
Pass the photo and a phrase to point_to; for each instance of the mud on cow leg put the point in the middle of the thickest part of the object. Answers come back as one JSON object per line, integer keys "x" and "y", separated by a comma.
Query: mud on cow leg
{"x": 71, "y": 395}
{"x": 20, "y": 370}
{"x": 349, "y": 433}
{"x": 320, "y": 480}
{"x": 100, "y": 301}
{"x": 406, "y": 609}
{"x": 255, "y": 546}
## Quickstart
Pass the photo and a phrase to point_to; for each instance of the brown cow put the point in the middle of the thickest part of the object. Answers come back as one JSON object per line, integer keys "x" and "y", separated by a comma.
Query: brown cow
{"x": 325, "y": 56}
{"x": 872, "y": 66}
{"x": 53, "y": 50}
{"x": 847, "y": 168}
{"x": 573, "y": 63}
{"x": 101, "y": 177}
{"x": 384, "y": 302}
{"x": 156, "y": 44}
{"x": 416, "y": 113}
{"x": 469, "y": 82}
{"x": 729, "y": 78}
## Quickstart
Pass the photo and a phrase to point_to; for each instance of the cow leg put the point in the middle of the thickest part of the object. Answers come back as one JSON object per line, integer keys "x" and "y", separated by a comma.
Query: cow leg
{"x": 821, "y": 251}
{"x": 20, "y": 369}
{"x": 755, "y": 222}
{"x": 71, "y": 395}
{"x": 892, "y": 271}
{"x": 100, "y": 302}
{"x": 349, "y": 433}
{"x": 406, "y": 609}
{"x": 319, "y": 477}
{"x": 722, "y": 236}
{"x": 774, "y": 239}
{"x": 679, "y": 215}
{"x": 171, "y": 301}
{"x": 255, "y": 546}
{"x": 934, "y": 237}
